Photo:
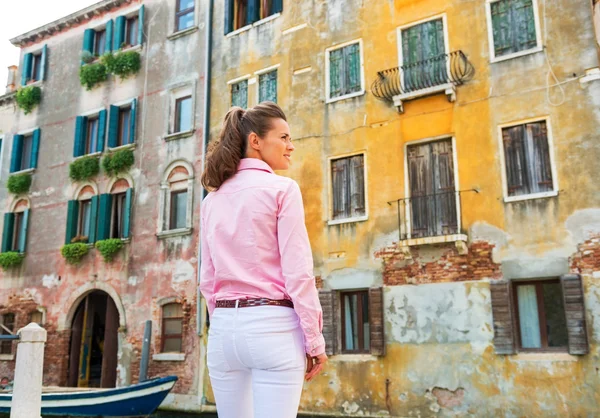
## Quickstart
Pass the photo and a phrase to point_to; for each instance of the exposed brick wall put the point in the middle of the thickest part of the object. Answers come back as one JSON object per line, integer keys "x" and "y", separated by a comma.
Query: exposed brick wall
{"x": 438, "y": 263}
{"x": 587, "y": 258}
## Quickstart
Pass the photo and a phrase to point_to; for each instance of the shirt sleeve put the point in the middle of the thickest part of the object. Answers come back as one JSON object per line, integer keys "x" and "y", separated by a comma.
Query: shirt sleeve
{"x": 207, "y": 270}
{"x": 297, "y": 268}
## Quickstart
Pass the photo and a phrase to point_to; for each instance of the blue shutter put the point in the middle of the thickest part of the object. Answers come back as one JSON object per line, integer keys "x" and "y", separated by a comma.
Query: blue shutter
{"x": 253, "y": 12}
{"x": 276, "y": 6}
{"x": 104, "y": 212}
{"x": 119, "y": 35}
{"x": 132, "y": 121}
{"x": 113, "y": 126}
{"x": 140, "y": 37}
{"x": 17, "y": 150}
{"x": 35, "y": 148}
{"x": 101, "y": 130}
{"x": 88, "y": 41}
{"x": 44, "y": 62}
{"x": 26, "y": 70}
{"x": 229, "y": 8}
{"x": 7, "y": 233}
{"x": 127, "y": 217}
{"x": 79, "y": 135}
{"x": 23, "y": 232}
{"x": 109, "y": 36}
{"x": 72, "y": 215}
{"x": 93, "y": 220}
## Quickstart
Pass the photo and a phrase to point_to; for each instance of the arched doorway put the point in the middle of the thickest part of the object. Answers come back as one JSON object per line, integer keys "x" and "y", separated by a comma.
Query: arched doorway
{"x": 94, "y": 342}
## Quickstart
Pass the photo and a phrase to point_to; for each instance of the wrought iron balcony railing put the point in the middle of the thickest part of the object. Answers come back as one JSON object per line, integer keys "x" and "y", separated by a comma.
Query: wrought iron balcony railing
{"x": 420, "y": 77}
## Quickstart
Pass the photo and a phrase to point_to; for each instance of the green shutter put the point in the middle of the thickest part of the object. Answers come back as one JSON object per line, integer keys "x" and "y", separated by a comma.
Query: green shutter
{"x": 72, "y": 215}
{"x": 113, "y": 126}
{"x": 26, "y": 71}
{"x": 93, "y": 220}
{"x": 335, "y": 72}
{"x": 276, "y": 6}
{"x": 88, "y": 41}
{"x": 35, "y": 148}
{"x": 411, "y": 48}
{"x": 7, "y": 233}
{"x": 101, "y": 130}
{"x": 253, "y": 12}
{"x": 44, "y": 62}
{"x": 104, "y": 212}
{"x": 127, "y": 218}
{"x": 109, "y": 36}
{"x": 132, "y": 121}
{"x": 119, "y": 35}
{"x": 17, "y": 150}
{"x": 267, "y": 87}
{"x": 352, "y": 69}
{"x": 140, "y": 37}
{"x": 524, "y": 36}
{"x": 229, "y": 15}
{"x": 78, "y": 141}
{"x": 23, "y": 231}
{"x": 501, "y": 27}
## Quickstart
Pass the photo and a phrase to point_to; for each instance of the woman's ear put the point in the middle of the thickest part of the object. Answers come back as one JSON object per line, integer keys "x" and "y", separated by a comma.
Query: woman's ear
{"x": 254, "y": 141}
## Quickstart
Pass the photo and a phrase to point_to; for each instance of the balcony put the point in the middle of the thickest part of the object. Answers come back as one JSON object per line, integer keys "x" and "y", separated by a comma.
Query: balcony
{"x": 431, "y": 219}
{"x": 435, "y": 75}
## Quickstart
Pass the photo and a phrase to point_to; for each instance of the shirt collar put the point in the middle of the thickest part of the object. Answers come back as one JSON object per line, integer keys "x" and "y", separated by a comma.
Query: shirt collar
{"x": 254, "y": 164}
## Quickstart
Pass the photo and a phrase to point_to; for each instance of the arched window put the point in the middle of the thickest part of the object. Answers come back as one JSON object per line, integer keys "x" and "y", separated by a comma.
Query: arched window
{"x": 82, "y": 213}
{"x": 177, "y": 189}
{"x": 14, "y": 237}
{"x": 116, "y": 218}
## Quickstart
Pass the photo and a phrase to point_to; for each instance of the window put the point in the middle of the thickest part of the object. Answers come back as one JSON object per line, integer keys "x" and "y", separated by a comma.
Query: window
{"x": 344, "y": 72}
{"x": 85, "y": 212}
{"x": 348, "y": 187}
{"x": 82, "y": 215}
{"x": 172, "y": 328}
{"x": 36, "y": 70}
{"x": 89, "y": 134}
{"x": 118, "y": 213}
{"x": 184, "y": 14}
{"x": 432, "y": 202}
{"x": 183, "y": 114}
{"x": 239, "y": 94}
{"x": 355, "y": 322}
{"x": 18, "y": 231}
{"x": 240, "y": 13}
{"x": 124, "y": 126}
{"x": 513, "y": 27}
{"x": 267, "y": 87}
{"x": 131, "y": 31}
{"x": 423, "y": 55}
{"x": 527, "y": 160}
{"x": 178, "y": 209}
{"x": 25, "y": 150}
{"x": 14, "y": 236}
{"x": 121, "y": 125}
{"x": 34, "y": 66}
{"x": 36, "y": 317}
{"x": 91, "y": 137}
{"x": 7, "y": 327}
{"x": 100, "y": 43}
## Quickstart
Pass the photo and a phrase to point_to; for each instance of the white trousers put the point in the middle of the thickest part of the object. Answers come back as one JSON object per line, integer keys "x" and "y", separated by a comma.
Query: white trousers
{"x": 256, "y": 361}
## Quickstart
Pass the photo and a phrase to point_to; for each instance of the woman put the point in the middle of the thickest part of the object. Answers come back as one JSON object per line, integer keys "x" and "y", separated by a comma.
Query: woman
{"x": 257, "y": 271}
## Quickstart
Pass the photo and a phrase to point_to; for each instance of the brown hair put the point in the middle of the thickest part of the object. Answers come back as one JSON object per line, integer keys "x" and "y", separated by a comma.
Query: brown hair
{"x": 224, "y": 155}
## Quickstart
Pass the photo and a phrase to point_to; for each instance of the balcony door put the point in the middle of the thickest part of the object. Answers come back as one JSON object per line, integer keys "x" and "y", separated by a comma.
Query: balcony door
{"x": 423, "y": 55}
{"x": 433, "y": 204}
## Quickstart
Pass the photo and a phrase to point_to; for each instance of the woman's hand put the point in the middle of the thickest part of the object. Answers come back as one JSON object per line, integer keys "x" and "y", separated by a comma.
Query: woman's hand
{"x": 314, "y": 365}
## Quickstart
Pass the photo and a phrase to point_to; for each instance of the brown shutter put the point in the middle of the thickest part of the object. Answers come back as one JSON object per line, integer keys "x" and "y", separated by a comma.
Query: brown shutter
{"x": 502, "y": 314}
{"x": 376, "y": 321}
{"x": 572, "y": 289}
{"x": 514, "y": 160}
{"x": 541, "y": 168}
{"x": 327, "y": 299}
{"x": 357, "y": 186}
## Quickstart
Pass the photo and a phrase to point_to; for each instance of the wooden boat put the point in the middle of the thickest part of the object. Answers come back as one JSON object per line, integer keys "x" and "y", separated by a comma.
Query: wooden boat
{"x": 138, "y": 400}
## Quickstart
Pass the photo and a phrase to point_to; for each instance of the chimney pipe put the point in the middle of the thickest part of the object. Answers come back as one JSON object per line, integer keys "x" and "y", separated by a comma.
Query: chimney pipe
{"x": 11, "y": 83}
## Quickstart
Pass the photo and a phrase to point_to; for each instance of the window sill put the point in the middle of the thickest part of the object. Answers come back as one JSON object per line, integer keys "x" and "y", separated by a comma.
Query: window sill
{"x": 181, "y": 33}
{"x": 353, "y": 357}
{"x": 347, "y": 220}
{"x": 448, "y": 89}
{"x": 27, "y": 170}
{"x": 516, "y": 54}
{"x": 509, "y": 199}
{"x": 169, "y": 357}
{"x": 92, "y": 154}
{"x": 122, "y": 147}
{"x": 174, "y": 233}
{"x": 179, "y": 135}
{"x": 590, "y": 75}
{"x": 459, "y": 240}
{"x": 552, "y": 357}
{"x": 132, "y": 48}
{"x": 7, "y": 357}
{"x": 345, "y": 96}
{"x": 35, "y": 83}
{"x": 257, "y": 23}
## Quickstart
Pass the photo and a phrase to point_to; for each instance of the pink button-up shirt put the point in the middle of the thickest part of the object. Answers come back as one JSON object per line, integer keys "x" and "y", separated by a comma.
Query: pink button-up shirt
{"x": 255, "y": 245}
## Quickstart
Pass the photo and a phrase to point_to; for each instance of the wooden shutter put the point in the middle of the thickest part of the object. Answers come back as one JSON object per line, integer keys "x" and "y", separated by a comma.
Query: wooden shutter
{"x": 540, "y": 168}
{"x": 23, "y": 232}
{"x": 336, "y": 65}
{"x": 17, "y": 151}
{"x": 340, "y": 188}
{"x": 444, "y": 199}
{"x": 35, "y": 148}
{"x": 411, "y": 41}
{"x": 229, "y": 15}
{"x": 72, "y": 215}
{"x": 127, "y": 216}
{"x": 7, "y": 231}
{"x": 422, "y": 210}
{"x": 523, "y": 25}
{"x": 253, "y": 12}
{"x": 276, "y": 6}
{"x": 109, "y": 36}
{"x": 573, "y": 297}
{"x": 132, "y": 119}
{"x": 502, "y": 315}
{"x": 113, "y": 126}
{"x": 119, "y": 33}
{"x": 501, "y": 28}
{"x": 376, "y": 321}
{"x": 26, "y": 71}
{"x": 79, "y": 140}
{"x": 104, "y": 215}
{"x": 93, "y": 220}
{"x": 357, "y": 185}
{"x": 101, "y": 130}
{"x": 352, "y": 72}
{"x": 514, "y": 159}
{"x": 44, "y": 62}
{"x": 88, "y": 41}
{"x": 328, "y": 303}
{"x": 141, "y": 14}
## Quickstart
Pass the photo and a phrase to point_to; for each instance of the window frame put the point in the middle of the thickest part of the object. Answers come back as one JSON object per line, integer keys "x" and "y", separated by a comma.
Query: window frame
{"x": 541, "y": 316}
{"x": 180, "y": 13}
{"x": 36, "y": 65}
{"x": 128, "y": 33}
{"x": 17, "y": 226}
{"x": 99, "y": 41}
{"x": 95, "y": 119}
{"x": 330, "y": 192}
{"x": 362, "y": 91}
{"x": 538, "y": 34}
{"x": 177, "y": 122}
{"x": 80, "y": 217}
{"x": 29, "y": 137}
{"x": 360, "y": 307}
{"x": 173, "y": 213}
{"x": 555, "y": 186}
{"x": 9, "y": 343}
{"x": 117, "y": 214}
{"x": 237, "y": 81}
{"x": 169, "y": 185}
{"x": 163, "y": 336}
{"x": 120, "y": 138}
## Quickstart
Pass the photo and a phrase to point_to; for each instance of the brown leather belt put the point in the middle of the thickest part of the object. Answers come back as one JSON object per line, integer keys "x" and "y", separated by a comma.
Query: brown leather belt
{"x": 247, "y": 303}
